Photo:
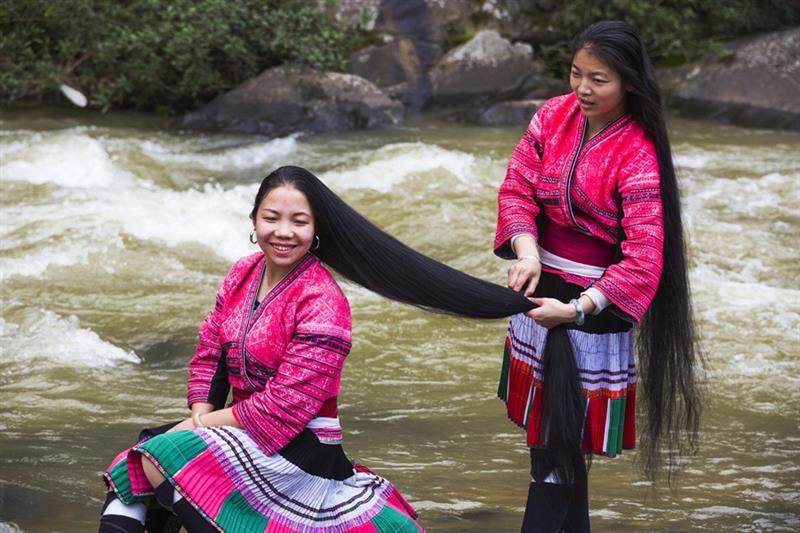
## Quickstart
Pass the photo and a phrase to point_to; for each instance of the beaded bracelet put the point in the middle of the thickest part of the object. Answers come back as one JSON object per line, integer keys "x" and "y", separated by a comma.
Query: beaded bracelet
{"x": 580, "y": 316}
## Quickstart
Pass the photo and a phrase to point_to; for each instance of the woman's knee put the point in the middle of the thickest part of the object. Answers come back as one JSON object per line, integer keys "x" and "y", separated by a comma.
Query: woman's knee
{"x": 153, "y": 475}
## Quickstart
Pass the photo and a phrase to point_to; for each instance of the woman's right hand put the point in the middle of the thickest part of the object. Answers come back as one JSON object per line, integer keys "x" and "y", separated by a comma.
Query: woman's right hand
{"x": 524, "y": 275}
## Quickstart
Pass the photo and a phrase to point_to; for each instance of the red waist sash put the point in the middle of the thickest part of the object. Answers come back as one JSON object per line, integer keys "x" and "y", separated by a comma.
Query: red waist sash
{"x": 330, "y": 407}
{"x": 576, "y": 246}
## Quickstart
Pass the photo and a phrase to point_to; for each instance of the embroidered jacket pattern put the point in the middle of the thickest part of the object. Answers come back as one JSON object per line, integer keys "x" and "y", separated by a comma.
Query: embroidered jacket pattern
{"x": 607, "y": 187}
{"x": 284, "y": 357}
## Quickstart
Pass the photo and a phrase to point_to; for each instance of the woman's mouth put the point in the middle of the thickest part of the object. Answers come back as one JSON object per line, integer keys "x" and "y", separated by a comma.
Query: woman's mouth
{"x": 282, "y": 248}
{"x": 584, "y": 103}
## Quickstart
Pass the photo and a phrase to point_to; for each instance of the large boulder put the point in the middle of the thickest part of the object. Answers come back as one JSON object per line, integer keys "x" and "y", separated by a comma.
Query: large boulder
{"x": 509, "y": 113}
{"x": 487, "y": 68}
{"x": 388, "y": 64}
{"x": 286, "y": 99}
{"x": 413, "y": 34}
{"x": 751, "y": 82}
{"x": 397, "y": 67}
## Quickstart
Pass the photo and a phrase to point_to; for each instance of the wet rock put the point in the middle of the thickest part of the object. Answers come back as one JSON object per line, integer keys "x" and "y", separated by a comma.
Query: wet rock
{"x": 389, "y": 64}
{"x": 751, "y": 82}
{"x": 509, "y": 113}
{"x": 287, "y": 99}
{"x": 413, "y": 33}
{"x": 399, "y": 67}
{"x": 487, "y": 68}
{"x": 547, "y": 87}
{"x": 413, "y": 94}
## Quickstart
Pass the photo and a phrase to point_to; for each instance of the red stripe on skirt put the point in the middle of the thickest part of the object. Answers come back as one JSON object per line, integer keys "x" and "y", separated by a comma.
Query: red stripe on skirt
{"x": 594, "y": 431}
{"x": 535, "y": 417}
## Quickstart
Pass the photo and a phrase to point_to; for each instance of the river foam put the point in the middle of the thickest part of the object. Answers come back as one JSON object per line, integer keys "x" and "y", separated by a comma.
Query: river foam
{"x": 217, "y": 154}
{"x": 384, "y": 169}
{"x": 40, "y": 334}
{"x": 91, "y": 202}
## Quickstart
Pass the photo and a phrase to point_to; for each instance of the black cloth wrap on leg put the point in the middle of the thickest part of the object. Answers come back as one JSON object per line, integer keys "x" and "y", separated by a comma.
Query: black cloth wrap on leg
{"x": 187, "y": 515}
{"x": 554, "y": 506}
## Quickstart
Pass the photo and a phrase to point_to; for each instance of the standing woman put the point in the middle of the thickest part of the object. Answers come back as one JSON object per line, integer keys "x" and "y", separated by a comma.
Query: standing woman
{"x": 590, "y": 211}
{"x": 277, "y": 338}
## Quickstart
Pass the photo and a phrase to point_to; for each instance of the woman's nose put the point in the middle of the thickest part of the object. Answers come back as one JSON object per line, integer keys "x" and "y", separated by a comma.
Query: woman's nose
{"x": 284, "y": 230}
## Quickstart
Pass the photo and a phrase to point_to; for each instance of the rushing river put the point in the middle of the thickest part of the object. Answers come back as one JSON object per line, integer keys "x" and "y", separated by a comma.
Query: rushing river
{"x": 115, "y": 233}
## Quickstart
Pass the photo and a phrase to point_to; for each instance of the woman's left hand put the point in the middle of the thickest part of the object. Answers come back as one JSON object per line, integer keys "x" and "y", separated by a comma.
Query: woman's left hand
{"x": 551, "y": 312}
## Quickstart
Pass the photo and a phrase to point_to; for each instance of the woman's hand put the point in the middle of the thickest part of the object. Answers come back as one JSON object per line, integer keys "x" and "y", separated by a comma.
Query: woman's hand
{"x": 185, "y": 424}
{"x": 199, "y": 407}
{"x": 551, "y": 312}
{"x": 524, "y": 275}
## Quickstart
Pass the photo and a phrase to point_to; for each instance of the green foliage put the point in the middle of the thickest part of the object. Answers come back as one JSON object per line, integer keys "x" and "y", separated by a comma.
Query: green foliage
{"x": 166, "y": 55}
{"x": 172, "y": 55}
{"x": 673, "y": 31}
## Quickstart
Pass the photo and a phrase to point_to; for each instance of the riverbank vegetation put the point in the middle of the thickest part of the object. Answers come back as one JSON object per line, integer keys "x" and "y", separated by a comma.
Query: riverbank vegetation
{"x": 174, "y": 55}
{"x": 163, "y": 55}
{"x": 674, "y": 31}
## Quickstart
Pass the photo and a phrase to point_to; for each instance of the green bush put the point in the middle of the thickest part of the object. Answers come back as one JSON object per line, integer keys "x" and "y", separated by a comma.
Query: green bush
{"x": 173, "y": 55}
{"x": 166, "y": 55}
{"x": 673, "y": 31}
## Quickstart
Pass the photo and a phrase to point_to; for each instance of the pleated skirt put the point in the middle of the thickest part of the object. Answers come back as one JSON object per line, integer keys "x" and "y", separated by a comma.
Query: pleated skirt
{"x": 307, "y": 487}
{"x": 604, "y": 355}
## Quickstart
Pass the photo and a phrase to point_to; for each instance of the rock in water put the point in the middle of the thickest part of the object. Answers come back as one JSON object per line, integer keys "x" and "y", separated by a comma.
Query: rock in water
{"x": 288, "y": 99}
{"x": 753, "y": 81}
{"x": 487, "y": 68}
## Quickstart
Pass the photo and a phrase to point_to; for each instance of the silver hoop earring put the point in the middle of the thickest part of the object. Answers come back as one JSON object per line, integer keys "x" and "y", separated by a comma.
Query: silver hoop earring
{"x": 316, "y": 247}
{"x": 253, "y": 237}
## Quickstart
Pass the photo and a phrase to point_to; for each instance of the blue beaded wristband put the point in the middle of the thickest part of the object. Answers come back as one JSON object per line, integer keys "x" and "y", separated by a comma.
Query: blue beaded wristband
{"x": 580, "y": 316}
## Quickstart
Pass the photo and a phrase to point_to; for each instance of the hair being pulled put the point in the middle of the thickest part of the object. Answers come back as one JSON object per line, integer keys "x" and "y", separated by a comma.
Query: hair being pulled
{"x": 367, "y": 255}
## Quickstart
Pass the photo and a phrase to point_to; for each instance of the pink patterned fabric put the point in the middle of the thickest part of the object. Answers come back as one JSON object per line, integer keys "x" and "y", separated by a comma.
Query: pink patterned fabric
{"x": 208, "y": 478}
{"x": 288, "y": 353}
{"x": 606, "y": 185}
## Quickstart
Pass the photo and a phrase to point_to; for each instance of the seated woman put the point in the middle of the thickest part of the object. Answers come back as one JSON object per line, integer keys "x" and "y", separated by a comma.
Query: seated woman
{"x": 278, "y": 336}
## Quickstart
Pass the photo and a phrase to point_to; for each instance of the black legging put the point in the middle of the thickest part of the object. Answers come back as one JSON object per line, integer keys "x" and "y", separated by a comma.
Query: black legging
{"x": 189, "y": 517}
{"x": 555, "y": 507}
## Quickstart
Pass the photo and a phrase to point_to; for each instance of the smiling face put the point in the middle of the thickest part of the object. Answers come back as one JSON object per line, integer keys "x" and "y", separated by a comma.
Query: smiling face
{"x": 284, "y": 225}
{"x": 599, "y": 88}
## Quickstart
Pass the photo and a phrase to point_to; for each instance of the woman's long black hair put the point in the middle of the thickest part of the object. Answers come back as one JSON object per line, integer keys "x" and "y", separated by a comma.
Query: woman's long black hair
{"x": 666, "y": 341}
{"x": 365, "y": 254}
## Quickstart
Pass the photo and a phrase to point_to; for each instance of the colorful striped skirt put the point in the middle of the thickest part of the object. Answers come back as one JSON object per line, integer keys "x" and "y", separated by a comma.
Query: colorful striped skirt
{"x": 306, "y": 487}
{"x": 604, "y": 356}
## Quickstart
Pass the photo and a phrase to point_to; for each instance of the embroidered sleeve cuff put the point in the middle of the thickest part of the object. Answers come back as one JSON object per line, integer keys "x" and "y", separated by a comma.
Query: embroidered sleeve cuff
{"x": 196, "y": 396}
{"x": 599, "y": 299}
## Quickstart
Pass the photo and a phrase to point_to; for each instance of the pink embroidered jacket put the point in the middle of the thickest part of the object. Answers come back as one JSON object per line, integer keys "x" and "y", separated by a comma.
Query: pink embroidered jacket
{"x": 598, "y": 188}
{"x": 283, "y": 358}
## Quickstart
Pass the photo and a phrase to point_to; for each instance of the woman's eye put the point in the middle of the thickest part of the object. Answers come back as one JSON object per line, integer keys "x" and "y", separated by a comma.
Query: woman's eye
{"x": 599, "y": 81}
{"x": 270, "y": 219}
